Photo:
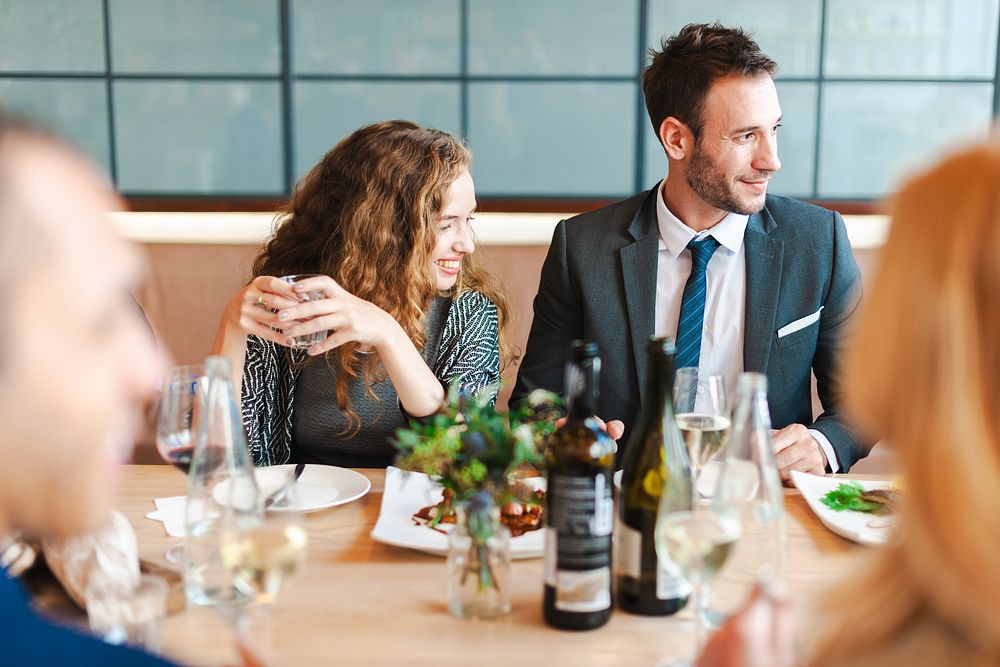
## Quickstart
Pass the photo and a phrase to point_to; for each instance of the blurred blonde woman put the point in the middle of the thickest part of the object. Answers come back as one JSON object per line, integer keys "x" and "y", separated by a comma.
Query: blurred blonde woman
{"x": 924, "y": 373}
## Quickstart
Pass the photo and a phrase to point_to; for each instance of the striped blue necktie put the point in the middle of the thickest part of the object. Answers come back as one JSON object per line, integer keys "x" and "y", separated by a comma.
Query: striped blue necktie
{"x": 692, "y": 317}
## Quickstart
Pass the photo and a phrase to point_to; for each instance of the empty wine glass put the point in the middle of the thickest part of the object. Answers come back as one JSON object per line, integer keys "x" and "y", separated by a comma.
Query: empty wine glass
{"x": 702, "y": 414}
{"x": 176, "y": 427}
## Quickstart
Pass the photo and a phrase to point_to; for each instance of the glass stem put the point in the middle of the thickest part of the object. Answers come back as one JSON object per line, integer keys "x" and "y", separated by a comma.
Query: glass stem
{"x": 697, "y": 587}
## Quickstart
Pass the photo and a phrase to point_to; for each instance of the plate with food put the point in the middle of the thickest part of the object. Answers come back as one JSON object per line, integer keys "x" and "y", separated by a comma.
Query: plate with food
{"x": 410, "y": 516}
{"x": 864, "y": 511}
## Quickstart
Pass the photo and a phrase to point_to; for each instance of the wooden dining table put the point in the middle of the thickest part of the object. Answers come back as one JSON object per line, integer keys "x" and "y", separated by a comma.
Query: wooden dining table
{"x": 360, "y": 602}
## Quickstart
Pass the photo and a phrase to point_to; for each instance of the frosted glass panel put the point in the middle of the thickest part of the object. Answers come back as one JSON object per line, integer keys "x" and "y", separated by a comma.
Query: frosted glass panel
{"x": 51, "y": 36}
{"x": 872, "y": 132}
{"x": 326, "y": 112}
{"x": 786, "y": 30}
{"x": 78, "y": 110}
{"x": 375, "y": 36}
{"x": 902, "y": 38}
{"x": 553, "y": 37}
{"x": 194, "y": 36}
{"x": 199, "y": 137}
{"x": 553, "y": 138}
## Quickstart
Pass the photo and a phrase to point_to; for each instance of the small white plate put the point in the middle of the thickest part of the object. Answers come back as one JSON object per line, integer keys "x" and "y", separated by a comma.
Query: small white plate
{"x": 856, "y": 526}
{"x": 407, "y": 493}
{"x": 320, "y": 487}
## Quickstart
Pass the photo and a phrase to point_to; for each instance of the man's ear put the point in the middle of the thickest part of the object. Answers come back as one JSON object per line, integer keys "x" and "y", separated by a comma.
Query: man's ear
{"x": 676, "y": 138}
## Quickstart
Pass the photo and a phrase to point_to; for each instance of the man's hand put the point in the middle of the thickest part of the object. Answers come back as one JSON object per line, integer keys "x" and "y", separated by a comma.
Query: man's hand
{"x": 614, "y": 427}
{"x": 796, "y": 449}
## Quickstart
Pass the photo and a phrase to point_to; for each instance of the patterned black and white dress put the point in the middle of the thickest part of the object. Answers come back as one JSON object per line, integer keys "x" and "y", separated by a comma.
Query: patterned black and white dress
{"x": 290, "y": 411}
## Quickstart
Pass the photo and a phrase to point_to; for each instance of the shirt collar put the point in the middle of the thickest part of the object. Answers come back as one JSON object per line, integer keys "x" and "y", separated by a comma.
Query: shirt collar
{"x": 675, "y": 235}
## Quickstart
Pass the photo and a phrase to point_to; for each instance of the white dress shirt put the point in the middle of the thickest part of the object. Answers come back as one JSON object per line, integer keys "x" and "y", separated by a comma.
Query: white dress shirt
{"x": 725, "y": 296}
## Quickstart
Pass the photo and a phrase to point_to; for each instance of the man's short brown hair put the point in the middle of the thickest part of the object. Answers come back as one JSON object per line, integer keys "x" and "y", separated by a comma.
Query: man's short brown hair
{"x": 682, "y": 72}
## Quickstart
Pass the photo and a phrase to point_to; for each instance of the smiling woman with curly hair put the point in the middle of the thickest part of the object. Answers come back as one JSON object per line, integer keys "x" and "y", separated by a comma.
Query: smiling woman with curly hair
{"x": 384, "y": 220}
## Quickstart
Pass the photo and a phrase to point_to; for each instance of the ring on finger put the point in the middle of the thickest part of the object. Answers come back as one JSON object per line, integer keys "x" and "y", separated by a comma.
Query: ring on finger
{"x": 260, "y": 303}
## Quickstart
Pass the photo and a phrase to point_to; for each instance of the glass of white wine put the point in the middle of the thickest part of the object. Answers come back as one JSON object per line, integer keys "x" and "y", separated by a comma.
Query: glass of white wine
{"x": 697, "y": 538}
{"x": 260, "y": 555}
{"x": 702, "y": 414}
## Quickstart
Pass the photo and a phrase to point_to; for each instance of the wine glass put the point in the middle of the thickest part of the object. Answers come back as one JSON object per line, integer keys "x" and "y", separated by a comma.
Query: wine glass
{"x": 261, "y": 551}
{"x": 176, "y": 429}
{"x": 702, "y": 415}
{"x": 697, "y": 538}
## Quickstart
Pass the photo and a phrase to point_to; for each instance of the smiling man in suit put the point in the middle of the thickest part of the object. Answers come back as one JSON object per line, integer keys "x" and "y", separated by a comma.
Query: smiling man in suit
{"x": 744, "y": 280}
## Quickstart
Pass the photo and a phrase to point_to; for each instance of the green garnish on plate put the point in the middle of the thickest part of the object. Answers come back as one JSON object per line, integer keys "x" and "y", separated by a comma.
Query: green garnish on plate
{"x": 854, "y": 497}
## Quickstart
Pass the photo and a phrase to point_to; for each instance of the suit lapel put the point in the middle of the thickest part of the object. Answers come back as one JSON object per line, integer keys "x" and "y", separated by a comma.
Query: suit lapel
{"x": 763, "y": 269}
{"x": 638, "y": 262}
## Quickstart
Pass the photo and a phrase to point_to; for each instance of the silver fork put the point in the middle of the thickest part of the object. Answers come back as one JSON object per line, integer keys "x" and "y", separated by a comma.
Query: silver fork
{"x": 279, "y": 499}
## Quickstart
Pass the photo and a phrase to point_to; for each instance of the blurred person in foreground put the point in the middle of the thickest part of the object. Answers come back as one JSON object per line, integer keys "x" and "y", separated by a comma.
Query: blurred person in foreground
{"x": 77, "y": 364}
{"x": 924, "y": 370}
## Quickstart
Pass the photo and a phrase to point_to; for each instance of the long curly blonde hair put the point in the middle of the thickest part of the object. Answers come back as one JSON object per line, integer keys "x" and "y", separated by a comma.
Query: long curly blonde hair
{"x": 367, "y": 216}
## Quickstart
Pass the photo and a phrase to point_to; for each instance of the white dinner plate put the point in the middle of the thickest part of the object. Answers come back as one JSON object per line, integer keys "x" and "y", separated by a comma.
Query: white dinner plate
{"x": 408, "y": 492}
{"x": 320, "y": 487}
{"x": 854, "y": 526}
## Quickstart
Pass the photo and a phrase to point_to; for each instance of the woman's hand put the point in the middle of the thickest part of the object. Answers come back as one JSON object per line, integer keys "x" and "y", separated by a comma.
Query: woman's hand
{"x": 347, "y": 317}
{"x": 761, "y": 635}
{"x": 252, "y": 310}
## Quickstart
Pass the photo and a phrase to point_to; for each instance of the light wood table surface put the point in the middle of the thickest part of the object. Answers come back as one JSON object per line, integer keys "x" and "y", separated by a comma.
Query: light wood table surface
{"x": 359, "y": 602}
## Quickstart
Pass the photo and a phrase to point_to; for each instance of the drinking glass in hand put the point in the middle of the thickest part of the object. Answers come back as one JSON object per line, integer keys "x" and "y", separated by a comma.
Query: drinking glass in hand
{"x": 702, "y": 415}
{"x": 306, "y": 341}
{"x": 698, "y": 541}
{"x": 176, "y": 426}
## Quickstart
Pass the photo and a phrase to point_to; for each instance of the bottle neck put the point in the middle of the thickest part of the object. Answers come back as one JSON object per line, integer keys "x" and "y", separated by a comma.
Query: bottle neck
{"x": 582, "y": 390}
{"x": 660, "y": 385}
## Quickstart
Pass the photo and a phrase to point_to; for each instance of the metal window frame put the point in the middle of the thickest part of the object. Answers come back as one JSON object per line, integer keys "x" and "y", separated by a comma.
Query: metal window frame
{"x": 286, "y": 78}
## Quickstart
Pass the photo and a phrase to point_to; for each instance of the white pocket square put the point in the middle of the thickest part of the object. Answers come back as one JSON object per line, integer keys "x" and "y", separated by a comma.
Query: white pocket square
{"x": 802, "y": 323}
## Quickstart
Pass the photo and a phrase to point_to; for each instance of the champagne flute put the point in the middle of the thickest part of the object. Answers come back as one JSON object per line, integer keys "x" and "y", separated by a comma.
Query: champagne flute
{"x": 697, "y": 538}
{"x": 702, "y": 415}
{"x": 176, "y": 427}
{"x": 260, "y": 553}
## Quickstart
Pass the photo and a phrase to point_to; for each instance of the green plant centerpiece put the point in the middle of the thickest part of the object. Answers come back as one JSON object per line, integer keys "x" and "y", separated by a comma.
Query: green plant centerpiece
{"x": 478, "y": 455}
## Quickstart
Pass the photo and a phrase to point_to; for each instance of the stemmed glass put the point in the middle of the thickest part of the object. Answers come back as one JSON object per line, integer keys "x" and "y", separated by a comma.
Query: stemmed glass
{"x": 698, "y": 538}
{"x": 261, "y": 551}
{"x": 176, "y": 427}
{"x": 702, "y": 415}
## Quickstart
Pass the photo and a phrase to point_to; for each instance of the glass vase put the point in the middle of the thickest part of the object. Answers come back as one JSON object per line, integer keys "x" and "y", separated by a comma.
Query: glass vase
{"x": 478, "y": 563}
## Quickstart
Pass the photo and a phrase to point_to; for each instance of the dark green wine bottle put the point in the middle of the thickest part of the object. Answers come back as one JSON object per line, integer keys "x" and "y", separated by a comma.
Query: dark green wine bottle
{"x": 579, "y": 512}
{"x": 655, "y": 455}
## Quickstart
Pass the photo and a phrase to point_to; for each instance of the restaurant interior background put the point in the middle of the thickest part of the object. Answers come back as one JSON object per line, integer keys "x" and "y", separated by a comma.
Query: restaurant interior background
{"x": 205, "y": 112}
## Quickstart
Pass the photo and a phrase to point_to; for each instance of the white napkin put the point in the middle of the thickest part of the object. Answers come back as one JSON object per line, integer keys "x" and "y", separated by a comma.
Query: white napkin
{"x": 170, "y": 511}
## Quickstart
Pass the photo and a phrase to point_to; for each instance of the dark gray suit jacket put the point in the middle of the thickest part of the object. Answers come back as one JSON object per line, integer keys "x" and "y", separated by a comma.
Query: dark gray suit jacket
{"x": 599, "y": 282}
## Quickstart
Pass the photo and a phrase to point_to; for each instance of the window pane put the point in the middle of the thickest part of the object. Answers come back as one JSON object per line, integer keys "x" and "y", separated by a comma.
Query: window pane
{"x": 553, "y": 138}
{"x": 938, "y": 38}
{"x": 326, "y": 112}
{"x": 51, "y": 36}
{"x": 193, "y": 36}
{"x": 76, "y": 109}
{"x": 552, "y": 37}
{"x": 199, "y": 137}
{"x": 872, "y": 132}
{"x": 796, "y": 140}
{"x": 375, "y": 37}
{"x": 786, "y": 30}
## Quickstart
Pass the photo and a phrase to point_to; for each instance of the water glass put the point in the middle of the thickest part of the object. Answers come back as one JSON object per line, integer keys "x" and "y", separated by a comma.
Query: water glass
{"x": 308, "y": 340}
{"x": 120, "y": 614}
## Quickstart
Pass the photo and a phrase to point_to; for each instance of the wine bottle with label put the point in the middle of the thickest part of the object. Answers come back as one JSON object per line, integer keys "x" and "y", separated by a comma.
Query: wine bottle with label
{"x": 655, "y": 460}
{"x": 579, "y": 507}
